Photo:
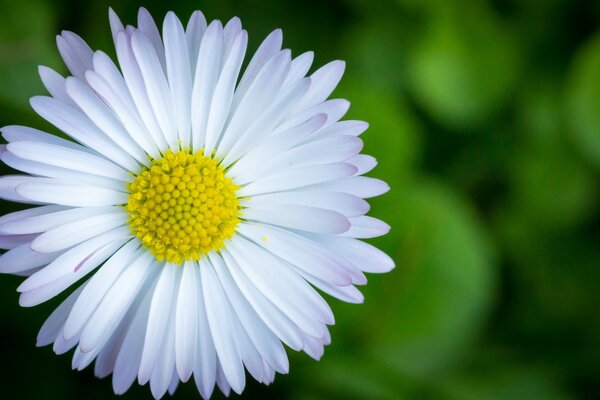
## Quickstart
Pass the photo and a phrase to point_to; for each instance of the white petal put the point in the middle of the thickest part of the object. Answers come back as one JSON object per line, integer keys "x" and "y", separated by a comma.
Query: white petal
{"x": 163, "y": 370}
{"x": 289, "y": 293}
{"x": 360, "y": 186}
{"x": 230, "y": 31}
{"x": 130, "y": 353}
{"x": 156, "y": 85}
{"x": 8, "y": 188}
{"x": 285, "y": 329}
{"x": 205, "y": 367}
{"x": 323, "y": 82}
{"x": 366, "y": 227}
{"x": 223, "y": 94}
{"x": 79, "y": 127}
{"x": 180, "y": 75}
{"x": 351, "y": 128}
{"x": 63, "y": 157}
{"x": 221, "y": 327}
{"x": 186, "y": 322}
{"x": 193, "y": 33}
{"x": 147, "y": 25}
{"x": 254, "y": 160}
{"x": 335, "y": 109}
{"x": 65, "y": 278}
{"x": 76, "y": 262}
{"x": 260, "y": 107}
{"x": 267, "y": 344}
{"x": 128, "y": 116}
{"x": 206, "y": 74}
{"x": 98, "y": 287}
{"x": 17, "y": 133}
{"x": 343, "y": 203}
{"x": 262, "y": 126}
{"x": 98, "y": 112}
{"x": 55, "y": 84}
{"x": 160, "y": 310}
{"x": 367, "y": 257}
{"x": 267, "y": 50}
{"x": 116, "y": 303}
{"x": 54, "y": 323}
{"x": 297, "y": 250}
{"x": 299, "y": 68}
{"x": 116, "y": 25}
{"x": 22, "y": 258}
{"x": 62, "y": 174}
{"x": 46, "y": 190}
{"x": 75, "y": 52}
{"x": 304, "y": 218}
{"x": 293, "y": 178}
{"x": 364, "y": 163}
{"x": 68, "y": 235}
{"x": 28, "y": 213}
{"x": 329, "y": 150}
{"x": 8, "y": 242}
{"x": 135, "y": 83}
{"x": 41, "y": 219}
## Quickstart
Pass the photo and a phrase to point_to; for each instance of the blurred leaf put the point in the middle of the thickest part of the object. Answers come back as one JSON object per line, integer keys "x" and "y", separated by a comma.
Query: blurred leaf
{"x": 430, "y": 309}
{"x": 583, "y": 100}
{"x": 26, "y": 41}
{"x": 497, "y": 380}
{"x": 464, "y": 67}
{"x": 393, "y": 137}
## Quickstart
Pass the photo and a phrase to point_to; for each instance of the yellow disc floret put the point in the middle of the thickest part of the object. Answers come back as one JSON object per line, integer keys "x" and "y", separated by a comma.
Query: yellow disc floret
{"x": 183, "y": 206}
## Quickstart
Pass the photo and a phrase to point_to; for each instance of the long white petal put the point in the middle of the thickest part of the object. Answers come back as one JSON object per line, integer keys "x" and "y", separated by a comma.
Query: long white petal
{"x": 293, "y": 178}
{"x": 41, "y": 219}
{"x": 135, "y": 83}
{"x": 223, "y": 94}
{"x": 63, "y": 157}
{"x": 186, "y": 322}
{"x": 157, "y": 321}
{"x": 116, "y": 303}
{"x": 193, "y": 33}
{"x": 298, "y": 251}
{"x": 54, "y": 323}
{"x": 66, "y": 278}
{"x": 221, "y": 327}
{"x": 304, "y": 218}
{"x": 156, "y": 85}
{"x": 55, "y": 84}
{"x": 343, "y": 203}
{"x": 147, "y": 25}
{"x": 285, "y": 329}
{"x": 75, "y": 52}
{"x": 62, "y": 174}
{"x": 46, "y": 190}
{"x": 99, "y": 113}
{"x": 205, "y": 78}
{"x": 205, "y": 366}
{"x": 79, "y": 127}
{"x": 267, "y": 344}
{"x": 365, "y": 227}
{"x": 68, "y": 235}
{"x": 179, "y": 73}
{"x": 98, "y": 287}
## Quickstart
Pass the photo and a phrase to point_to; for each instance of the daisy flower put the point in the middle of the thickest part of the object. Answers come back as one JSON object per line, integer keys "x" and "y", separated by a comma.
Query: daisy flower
{"x": 194, "y": 212}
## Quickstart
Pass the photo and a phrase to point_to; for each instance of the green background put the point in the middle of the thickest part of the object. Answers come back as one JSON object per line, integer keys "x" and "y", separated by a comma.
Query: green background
{"x": 485, "y": 119}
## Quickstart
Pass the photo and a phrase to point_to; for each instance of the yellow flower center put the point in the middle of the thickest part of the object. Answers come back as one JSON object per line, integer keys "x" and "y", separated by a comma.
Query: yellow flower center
{"x": 183, "y": 206}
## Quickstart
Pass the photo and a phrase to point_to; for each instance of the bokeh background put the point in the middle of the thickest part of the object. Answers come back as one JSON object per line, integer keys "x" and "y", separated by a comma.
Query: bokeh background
{"x": 485, "y": 118}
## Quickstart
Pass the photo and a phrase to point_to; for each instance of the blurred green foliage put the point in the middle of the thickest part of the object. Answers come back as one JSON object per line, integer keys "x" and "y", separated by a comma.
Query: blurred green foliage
{"x": 485, "y": 119}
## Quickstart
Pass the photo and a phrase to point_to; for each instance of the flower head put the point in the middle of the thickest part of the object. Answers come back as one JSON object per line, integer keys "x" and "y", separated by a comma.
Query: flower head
{"x": 192, "y": 214}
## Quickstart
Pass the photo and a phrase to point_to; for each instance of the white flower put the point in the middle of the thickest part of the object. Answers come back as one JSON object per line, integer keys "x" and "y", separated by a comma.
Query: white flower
{"x": 200, "y": 212}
